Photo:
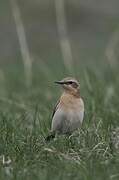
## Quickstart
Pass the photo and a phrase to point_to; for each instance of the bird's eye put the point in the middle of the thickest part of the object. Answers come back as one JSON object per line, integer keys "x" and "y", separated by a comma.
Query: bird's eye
{"x": 69, "y": 82}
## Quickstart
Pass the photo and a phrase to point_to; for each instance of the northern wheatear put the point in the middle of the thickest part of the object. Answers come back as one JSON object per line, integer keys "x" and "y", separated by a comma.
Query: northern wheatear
{"x": 69, "y": 111}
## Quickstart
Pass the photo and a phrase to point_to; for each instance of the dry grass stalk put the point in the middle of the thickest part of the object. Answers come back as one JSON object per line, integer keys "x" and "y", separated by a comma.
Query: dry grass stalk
{"x": 62, "y": 30}
{"x": 27, "y": 61}
{"x": 111, "y": 48}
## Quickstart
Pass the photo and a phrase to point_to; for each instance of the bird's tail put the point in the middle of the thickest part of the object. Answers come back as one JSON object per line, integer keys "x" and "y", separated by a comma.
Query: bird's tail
{"x": 50, "y": 137}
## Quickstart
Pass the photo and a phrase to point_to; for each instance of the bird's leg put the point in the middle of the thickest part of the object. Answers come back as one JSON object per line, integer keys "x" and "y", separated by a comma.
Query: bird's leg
{"x": 50, "y": 136}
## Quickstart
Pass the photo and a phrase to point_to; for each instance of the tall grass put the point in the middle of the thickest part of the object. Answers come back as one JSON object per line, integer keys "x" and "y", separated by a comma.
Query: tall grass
{"x": 91, "y": 153}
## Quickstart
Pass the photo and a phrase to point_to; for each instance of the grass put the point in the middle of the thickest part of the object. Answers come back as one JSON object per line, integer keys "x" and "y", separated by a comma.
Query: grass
{"x": 25, "y": 118}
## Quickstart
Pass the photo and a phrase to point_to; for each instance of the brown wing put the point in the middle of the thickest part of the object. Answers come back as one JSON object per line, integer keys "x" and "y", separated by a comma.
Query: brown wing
{"x": 55, "y": 108}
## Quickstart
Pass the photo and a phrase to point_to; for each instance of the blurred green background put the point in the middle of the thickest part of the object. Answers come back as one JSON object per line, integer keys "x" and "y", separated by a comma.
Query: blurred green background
{"x": 46, "y": 40}
{"x": 90, "y": 26}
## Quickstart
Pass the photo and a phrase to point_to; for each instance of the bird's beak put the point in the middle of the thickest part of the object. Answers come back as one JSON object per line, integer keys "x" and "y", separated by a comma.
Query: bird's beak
{"x": 59, "y": 82}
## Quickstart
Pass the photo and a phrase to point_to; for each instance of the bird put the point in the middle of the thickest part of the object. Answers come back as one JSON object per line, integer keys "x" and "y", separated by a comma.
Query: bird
{"x": 68, "y": 113}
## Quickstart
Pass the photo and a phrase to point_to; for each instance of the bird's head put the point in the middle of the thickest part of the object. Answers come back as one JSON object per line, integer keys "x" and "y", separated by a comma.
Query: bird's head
{"x": 70, "y": 85}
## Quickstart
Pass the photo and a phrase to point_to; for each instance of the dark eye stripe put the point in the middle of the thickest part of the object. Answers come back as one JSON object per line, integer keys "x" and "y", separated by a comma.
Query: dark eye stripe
{"x": 74, "y": 84}
{"x": 69, "y": 82}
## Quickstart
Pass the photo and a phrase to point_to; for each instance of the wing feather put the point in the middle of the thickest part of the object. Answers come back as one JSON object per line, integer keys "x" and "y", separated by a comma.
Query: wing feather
{"x": 55, "y": 108}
